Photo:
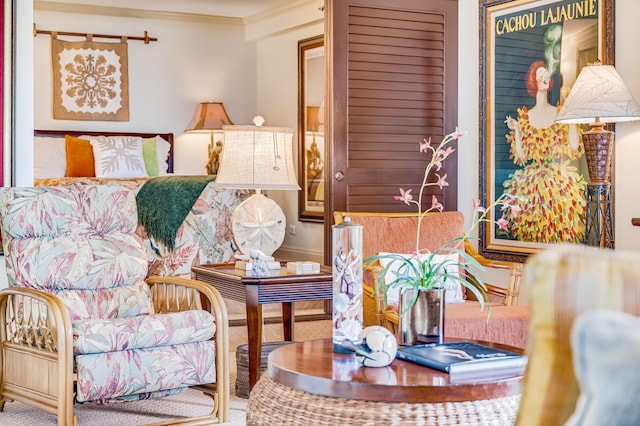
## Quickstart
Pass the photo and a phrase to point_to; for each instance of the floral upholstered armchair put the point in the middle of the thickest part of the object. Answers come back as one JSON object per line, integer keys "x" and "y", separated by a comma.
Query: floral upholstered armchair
{"x": 80, "y": 322}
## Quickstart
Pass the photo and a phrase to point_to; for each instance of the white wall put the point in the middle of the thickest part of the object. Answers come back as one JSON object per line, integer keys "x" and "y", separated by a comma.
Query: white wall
{"x": 627, "y": 143}
{"x": 23, "y": 94}
{"x": 191, "y": 62}
{"x": 278, "y": 102}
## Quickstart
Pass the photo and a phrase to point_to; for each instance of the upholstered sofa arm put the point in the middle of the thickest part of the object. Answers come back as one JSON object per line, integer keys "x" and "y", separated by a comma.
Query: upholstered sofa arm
{"x": 36, "y": 339}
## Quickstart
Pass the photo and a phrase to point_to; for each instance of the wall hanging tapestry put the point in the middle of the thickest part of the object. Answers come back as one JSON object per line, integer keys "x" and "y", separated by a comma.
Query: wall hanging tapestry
{"x": 90, "y": 80}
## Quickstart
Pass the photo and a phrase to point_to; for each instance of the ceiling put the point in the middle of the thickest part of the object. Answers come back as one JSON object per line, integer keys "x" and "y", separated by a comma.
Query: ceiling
{"x": 227, "y": 8}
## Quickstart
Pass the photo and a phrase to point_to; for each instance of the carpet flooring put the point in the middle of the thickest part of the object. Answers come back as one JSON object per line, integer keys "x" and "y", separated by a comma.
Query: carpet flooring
{"x": 186, "y": 404}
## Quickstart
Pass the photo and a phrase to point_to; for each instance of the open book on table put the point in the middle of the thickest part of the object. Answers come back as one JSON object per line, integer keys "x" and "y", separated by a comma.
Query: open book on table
{"x": 464, "y": 358}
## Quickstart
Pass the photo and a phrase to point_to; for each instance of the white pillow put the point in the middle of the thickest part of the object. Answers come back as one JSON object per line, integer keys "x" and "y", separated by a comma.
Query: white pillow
{"x": 606, "y": 359}
{"x": 49, "y": 157}
{"x": 453, "y": 288}
{"x": 118, "y": 156}
{"x": 162, "y": 149}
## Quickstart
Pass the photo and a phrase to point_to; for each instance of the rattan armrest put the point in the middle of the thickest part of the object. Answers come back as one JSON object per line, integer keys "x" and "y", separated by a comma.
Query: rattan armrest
{"x": 35, "y": 319}
{"x": 36, "y": 338}
{"x": 512, "y": 291}
{"x": 373, "y": 300}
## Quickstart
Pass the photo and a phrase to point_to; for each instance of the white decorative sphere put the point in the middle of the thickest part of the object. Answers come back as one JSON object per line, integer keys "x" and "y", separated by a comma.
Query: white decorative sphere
{"x": 380, "y": 344}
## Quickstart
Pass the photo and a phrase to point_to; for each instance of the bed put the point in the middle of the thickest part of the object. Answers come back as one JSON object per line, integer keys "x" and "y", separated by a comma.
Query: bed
{"x": 63, "y": 158}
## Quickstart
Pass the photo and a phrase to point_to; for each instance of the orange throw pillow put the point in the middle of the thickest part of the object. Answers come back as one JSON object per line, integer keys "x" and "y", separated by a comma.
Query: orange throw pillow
{"x": 80, "y": 161}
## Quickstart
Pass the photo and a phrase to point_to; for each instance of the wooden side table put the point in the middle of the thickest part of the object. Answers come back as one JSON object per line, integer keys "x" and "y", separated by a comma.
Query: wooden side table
{"x": 280, "y": 286}
{"x": 307, "y": 380}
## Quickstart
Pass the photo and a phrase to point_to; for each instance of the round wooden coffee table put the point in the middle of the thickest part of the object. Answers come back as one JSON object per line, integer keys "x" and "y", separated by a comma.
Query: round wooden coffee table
{"x": 307, "y": 383}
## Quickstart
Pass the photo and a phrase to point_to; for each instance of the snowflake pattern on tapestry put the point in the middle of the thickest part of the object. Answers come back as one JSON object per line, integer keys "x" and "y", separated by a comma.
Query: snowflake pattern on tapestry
{"x": 90, "y": 80}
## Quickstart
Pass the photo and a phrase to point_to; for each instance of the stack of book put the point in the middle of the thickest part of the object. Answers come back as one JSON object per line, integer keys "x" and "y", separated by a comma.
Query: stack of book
{"x": 300, "y": 268}
{"x": 465, "y": 359}
{"x": 247, "y": 265}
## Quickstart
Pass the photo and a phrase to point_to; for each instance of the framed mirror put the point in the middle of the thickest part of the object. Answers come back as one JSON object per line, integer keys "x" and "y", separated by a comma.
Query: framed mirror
{"x": 311, "y": 146}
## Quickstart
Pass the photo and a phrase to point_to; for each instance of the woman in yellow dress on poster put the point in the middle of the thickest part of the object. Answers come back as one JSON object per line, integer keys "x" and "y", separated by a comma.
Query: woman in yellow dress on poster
{"x": 551, "y": 187}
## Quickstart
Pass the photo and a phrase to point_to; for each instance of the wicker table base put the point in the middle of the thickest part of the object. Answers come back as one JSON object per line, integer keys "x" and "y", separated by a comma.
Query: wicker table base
{"x": 272, "y": 403}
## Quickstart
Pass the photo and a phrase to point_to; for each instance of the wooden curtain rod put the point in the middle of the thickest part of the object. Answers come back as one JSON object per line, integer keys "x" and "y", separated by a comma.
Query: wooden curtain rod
{"x": 146, "y": 37}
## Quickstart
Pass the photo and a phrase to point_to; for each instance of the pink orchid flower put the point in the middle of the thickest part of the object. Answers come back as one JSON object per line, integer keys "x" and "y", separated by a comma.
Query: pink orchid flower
{"x": 425, "y": 145}
{"x": 442, "y": 181}
{"x": 450, "y": 150}
{"x": 458, "y": 134}
{"x": 442, "y": 155}
{"x": 405, "y": 196}
{"x": 511, "y": 205}
{"x": 502, "y": 224}
{"x": 436, "y": 204}
{"x": 515, "y": 208}
{"x": 478, "y": 207}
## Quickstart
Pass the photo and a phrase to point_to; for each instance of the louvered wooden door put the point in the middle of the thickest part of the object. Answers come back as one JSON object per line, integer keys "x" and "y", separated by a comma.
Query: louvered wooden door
{"x": 392, "y": 81}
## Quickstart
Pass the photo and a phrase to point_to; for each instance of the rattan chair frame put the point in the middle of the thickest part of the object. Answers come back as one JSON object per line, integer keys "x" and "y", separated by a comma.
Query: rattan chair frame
{"x": 36, "y": 352}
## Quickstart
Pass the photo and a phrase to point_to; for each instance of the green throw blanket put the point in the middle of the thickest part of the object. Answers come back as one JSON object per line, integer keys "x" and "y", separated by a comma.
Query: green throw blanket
{"x": 164, "y": 202}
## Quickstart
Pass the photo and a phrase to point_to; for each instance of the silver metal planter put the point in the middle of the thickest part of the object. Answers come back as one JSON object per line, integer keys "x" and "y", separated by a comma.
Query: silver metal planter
{"x": 422, "y": 322}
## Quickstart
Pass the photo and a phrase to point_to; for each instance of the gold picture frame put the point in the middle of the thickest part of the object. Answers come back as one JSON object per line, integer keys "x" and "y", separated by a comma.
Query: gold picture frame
{"x": 563, "y": 36}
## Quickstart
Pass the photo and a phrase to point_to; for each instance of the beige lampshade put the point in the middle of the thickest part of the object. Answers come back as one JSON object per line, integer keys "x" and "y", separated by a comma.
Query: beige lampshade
{"x": 209, "y": 116}
{"x": 599, "y": 94}
{"x": 257, "y": 157}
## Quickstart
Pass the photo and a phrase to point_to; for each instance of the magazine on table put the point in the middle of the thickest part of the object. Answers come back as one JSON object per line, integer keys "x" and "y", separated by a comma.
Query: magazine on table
{"x": 464, "y": 358}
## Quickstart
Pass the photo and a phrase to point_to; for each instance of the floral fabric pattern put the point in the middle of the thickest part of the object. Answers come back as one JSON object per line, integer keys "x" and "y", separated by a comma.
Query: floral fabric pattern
{"x": 117, "y": 302}
{"x": 142, "y": 332}
{"x": 79, "y": 238}
{"x": 138, "y": 371}
{"x": 203, "y": 238}
{"x": 79, "y": 243}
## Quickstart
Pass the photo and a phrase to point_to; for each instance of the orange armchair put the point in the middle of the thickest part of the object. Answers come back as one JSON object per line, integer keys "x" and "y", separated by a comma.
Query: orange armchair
{"x": 395, "y": 232}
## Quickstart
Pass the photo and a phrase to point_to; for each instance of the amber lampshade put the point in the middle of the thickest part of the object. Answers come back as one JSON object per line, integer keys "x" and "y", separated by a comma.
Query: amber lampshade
{"x": 209, "y": 116}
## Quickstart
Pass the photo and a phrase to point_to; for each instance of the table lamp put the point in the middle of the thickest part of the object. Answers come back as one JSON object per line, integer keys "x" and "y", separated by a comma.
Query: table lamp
{"x": 598, "y": 96}
{"x": 209, "y": 117}
{"x": 258, "y": 158}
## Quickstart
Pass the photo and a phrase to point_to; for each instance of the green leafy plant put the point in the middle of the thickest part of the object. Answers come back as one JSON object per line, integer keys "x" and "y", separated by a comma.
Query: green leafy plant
{"x": 424, "y": 269}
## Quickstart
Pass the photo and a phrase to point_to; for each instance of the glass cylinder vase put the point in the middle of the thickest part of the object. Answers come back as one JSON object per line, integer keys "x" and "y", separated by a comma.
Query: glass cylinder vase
{"x": 421, "y": 321}
{"x": 347, "y": 283}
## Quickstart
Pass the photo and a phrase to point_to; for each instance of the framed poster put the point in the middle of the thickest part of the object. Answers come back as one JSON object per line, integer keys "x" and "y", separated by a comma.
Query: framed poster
{"x": 311, "y": 87}
{"x": 531, "y": 53}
